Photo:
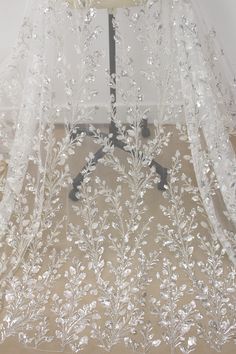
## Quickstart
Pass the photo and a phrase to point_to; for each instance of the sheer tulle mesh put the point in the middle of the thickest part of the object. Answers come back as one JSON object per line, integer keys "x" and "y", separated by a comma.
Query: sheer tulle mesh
{"x": 118, "y": 257}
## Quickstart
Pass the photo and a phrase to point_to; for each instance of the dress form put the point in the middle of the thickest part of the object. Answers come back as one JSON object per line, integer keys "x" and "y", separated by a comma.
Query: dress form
{"x": 111, "y": 5}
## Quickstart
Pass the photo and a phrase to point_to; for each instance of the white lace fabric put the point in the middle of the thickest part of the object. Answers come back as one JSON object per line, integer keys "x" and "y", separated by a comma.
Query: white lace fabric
{"x": 126, "y": 265}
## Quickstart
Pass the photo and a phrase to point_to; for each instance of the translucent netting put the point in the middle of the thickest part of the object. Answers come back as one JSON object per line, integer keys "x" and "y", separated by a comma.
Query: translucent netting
{"x": 127, "y": 263}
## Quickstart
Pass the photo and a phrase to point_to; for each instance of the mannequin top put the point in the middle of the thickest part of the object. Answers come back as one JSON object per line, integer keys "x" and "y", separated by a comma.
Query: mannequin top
{"x": 105, "y": 4}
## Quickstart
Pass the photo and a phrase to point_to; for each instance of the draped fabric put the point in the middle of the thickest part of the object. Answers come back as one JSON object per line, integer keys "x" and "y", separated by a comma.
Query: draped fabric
{"x": 126, "y": 265}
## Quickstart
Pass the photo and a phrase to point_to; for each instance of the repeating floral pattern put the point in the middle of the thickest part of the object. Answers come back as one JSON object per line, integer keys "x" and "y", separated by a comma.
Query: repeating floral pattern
{"x": 112, "y": 269}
